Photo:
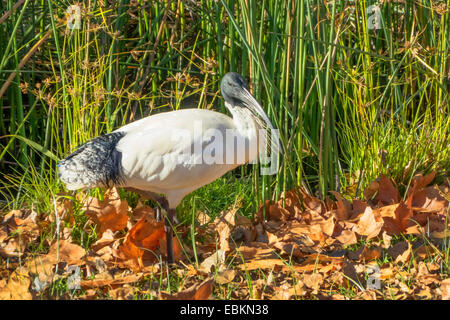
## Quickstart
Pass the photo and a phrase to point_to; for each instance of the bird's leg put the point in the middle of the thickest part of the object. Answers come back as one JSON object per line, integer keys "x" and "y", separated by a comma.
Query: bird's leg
{"x": 169, "y": 234}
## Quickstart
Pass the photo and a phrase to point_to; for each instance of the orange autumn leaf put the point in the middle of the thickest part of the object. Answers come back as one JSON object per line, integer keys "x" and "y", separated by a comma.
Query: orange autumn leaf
{"x": 66, "y": 251}
{"x": 430, "y": 200}
{"x": 347, "y": 237}
{"x": 399, "y": 222}
{"x": 313, "y": 281}
{"x": 419, "y": 182}
{"x": 16, "y": 287}
{"x": 369, "y": 224}
{"x": 200, "y": 291}
{"x": 387, "y": 193}
{"x": 344, "y": 208}
{"x": 111, "y": 213}
{"x": 445, "y": 288}
{"x": 144, "y": 236}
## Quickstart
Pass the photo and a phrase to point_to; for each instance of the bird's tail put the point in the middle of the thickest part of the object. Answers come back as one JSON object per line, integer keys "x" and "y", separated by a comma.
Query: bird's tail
{"x": 96, "y": 163}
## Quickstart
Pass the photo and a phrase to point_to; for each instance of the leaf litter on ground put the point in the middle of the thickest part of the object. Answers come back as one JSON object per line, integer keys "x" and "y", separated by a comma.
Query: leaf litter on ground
{"x": 308, "y": 247}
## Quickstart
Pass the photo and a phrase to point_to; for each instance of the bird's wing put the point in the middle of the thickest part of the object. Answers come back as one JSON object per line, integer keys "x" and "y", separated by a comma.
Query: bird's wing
{"x": 163, "y": 152}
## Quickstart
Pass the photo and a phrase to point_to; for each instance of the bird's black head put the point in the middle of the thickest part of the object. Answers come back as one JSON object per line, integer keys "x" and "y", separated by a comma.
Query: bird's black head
{"x": 232, "y": 87}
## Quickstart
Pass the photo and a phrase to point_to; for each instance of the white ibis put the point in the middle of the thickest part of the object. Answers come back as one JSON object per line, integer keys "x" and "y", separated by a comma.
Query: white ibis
{"x": 166, "y": 156}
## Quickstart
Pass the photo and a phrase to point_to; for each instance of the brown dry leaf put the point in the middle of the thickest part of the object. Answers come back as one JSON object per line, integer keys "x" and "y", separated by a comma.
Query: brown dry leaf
{"x": 64, "y": 250}
{"x": 3, "y": 233}
{"x": 445, "y": 288}
{"x": 312, "y": 203}
{"x": 365, "y": 254}
{"x": 349, "y": 270}
{"x": 347, "y": 237}
{"x": 427, "y": 273}
{"x": 344, "y": 207}
{"x": 313, "y": 281}
{"x": 419, "y": 182}
{"x": 109, "y": 281}
{"x": 14, "y": 247}
{"x": 369, "y": 224}
{"x": 287, "y": 291}
{"x": 139, "y": 212}
{"x": 386, "y": 240}
{"x": 111, "y": 213}
{"x": 430, "y": 200}
{"x": 217, "y": 259}
{"x": 17, "y": 286}
{"x": 318, "y": 263}
{"x": 400, "y": 252}
{"x": 67, "y": 252}
{"x": 90, "y": 294}
{"x": 261, "y": 264}
{"x": 369, "y": 295}
{"x": 399, "y": 222}
{"x": 226, "y": 276}
{"x": 200, "y": 291}
{"x": 177, "y": 247}
{"x": 387, "y": 272}
{"x": 19, "y": 228}
{"x": 123, "y": 293}
{"x": 278, "y": 213}
{"x": 224, "y": 224}
{"x": 257, "y": 251}
{"x": 387, "y": 193}
{"x": 371, "y": 190}
{"x": 387, "y": 211}
{"x": 64, "y": 208}
{"x": 424, "y": 252}
{"x": 203, "y": 218}
{"x": 440, "y": 234}
{"x": 106, "y": 239}
{"x": 282, "y": 292}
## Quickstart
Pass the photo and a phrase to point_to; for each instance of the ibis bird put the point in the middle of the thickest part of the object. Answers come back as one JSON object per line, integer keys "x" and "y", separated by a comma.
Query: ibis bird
{"x": 168, "y": 155}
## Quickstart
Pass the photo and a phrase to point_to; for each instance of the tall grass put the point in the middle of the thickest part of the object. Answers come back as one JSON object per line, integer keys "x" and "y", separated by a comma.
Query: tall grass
{"x": 351, "y": 102}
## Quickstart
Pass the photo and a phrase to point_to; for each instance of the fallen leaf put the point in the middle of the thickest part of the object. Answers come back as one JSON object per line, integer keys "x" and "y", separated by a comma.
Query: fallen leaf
{"x": 143, "y": 238}
{"x": 371, "y": 190}
{"x": 365, "y": 254}
{"x": 261, "y": 264}
{"x": 200, "y": 291}
{"x": 369, "y": 224}
{"x": 203, "y": 218}
{"x": 224, "y": 224}
{"x": 419, "y": 182}
{"x": 344, "y": 207}
{"x": 445, "y": 288}
{"x": 123, "y": 293}
{"x": 106, "y": 239}
{"x": 111, "y": 213}
{"x": 430, "y": 200}
{"x": 400, "y": 252}
{"x": 387, "y": 193}
{"x": 17, "y": 286}
{"x": 313, "y": 281}
{"x": 97, "y": 283}
{"x": 217, "y": 259}
{"x": 225, "y": 276}
{"x": 347, "y": 237}
{"x": 66, "y": 251}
